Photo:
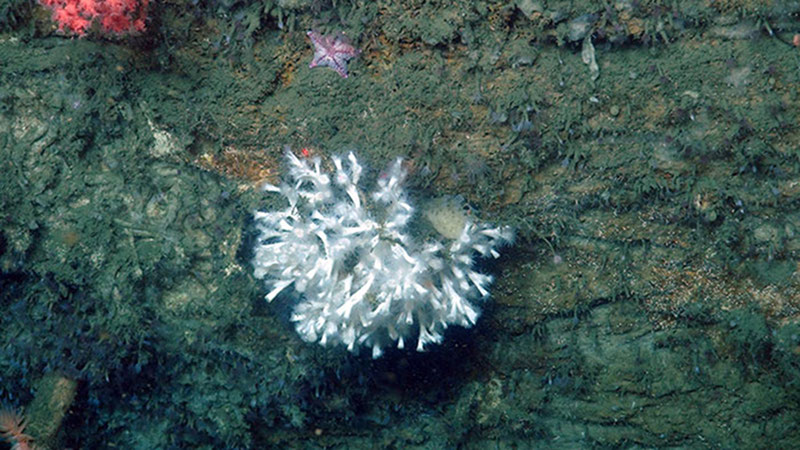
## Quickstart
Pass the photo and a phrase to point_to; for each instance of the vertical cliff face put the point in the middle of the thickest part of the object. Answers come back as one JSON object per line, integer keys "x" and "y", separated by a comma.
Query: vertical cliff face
{"x": 644, "y": 152}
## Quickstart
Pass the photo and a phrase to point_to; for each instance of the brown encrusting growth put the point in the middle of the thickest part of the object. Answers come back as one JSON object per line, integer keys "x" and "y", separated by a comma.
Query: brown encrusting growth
{"x": 252, "y": 168}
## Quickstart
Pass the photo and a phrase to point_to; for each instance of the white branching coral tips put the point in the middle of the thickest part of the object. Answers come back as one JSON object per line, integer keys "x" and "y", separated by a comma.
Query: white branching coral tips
{"x": 363, "y": 280}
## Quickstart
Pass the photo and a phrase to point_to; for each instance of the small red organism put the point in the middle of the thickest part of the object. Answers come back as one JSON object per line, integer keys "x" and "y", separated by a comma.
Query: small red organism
{"x": 12, "y": 429}
{"x": 113, "y": 16}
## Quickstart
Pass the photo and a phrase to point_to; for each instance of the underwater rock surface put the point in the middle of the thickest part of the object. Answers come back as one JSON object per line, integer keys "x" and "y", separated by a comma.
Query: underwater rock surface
{"x": 651, "y": 298}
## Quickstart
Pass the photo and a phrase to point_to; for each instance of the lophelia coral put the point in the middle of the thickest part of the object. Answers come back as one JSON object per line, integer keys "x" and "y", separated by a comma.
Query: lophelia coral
{"x": 113, "y": 16}
{"x": 362, "y": 279}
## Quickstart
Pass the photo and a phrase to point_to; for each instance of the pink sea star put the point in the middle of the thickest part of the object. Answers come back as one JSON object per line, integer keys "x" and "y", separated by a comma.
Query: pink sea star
{"x": 332, "y": 51}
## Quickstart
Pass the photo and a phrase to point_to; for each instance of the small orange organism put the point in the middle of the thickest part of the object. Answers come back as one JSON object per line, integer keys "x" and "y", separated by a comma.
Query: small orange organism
{"x": 12, "y": 429}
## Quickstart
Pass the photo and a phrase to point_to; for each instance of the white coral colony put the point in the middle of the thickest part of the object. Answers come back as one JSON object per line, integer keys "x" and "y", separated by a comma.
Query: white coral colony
{"x": 362, "y": 279}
